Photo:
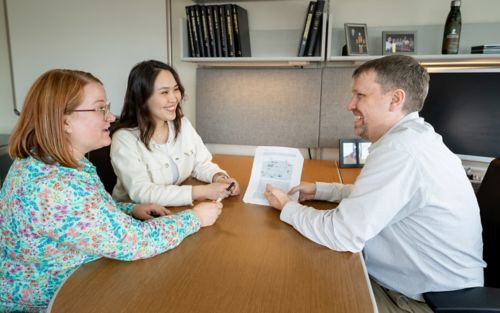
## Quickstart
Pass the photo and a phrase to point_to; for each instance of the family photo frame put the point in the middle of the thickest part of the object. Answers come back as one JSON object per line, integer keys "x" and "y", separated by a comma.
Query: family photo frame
{"x": 399, "y": 42}
{"x": 356, "y": 36}
{"x": 353, "y": 152}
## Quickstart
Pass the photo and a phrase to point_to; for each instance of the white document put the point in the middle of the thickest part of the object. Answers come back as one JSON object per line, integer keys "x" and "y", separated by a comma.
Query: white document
{"x": 279, "y": 166}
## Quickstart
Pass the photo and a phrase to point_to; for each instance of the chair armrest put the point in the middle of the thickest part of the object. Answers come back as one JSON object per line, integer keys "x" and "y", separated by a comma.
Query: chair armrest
{"x": 473, "y": 300}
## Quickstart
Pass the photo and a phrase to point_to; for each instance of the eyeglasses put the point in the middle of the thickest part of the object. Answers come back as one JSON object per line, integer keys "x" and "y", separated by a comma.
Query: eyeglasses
{"x": 103, "y": 109}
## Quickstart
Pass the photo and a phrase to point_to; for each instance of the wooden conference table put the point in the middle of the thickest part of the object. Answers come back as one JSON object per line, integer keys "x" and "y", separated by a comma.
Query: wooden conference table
{"x": 249, "y": 261}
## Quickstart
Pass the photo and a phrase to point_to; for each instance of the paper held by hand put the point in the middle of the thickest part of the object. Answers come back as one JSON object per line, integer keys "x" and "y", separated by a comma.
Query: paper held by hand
{"x": 279, "y": 166}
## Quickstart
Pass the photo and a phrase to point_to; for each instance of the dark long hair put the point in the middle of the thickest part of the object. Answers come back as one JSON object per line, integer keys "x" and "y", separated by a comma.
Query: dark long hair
{"x": 140, "y": 87}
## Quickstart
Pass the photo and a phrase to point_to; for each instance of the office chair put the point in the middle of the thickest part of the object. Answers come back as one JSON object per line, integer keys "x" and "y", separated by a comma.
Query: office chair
{"x": 5, "y": 163}
{"x": 102, "y": 162}
{"x": 479, "y": 299}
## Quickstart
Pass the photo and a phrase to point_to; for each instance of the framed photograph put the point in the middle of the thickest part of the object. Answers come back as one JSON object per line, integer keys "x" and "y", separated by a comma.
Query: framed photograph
{"x": 356, "y": 36}
{"x": 348, "y": 153}
{"x": 353, "y": 152}
{"x": 400, "y": 42}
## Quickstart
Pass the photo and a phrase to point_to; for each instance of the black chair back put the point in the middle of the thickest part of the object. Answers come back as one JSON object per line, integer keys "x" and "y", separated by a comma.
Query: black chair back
{"x": 488, "y": 197}
{"x": 5, "y": 163}
{"x": 102, "y": 161}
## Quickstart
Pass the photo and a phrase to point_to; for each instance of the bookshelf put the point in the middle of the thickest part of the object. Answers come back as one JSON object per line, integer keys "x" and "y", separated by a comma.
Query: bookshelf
{"x": 275, "y": 32}
{"x": 428, "y": 46}
{"x": 276, "y": 27}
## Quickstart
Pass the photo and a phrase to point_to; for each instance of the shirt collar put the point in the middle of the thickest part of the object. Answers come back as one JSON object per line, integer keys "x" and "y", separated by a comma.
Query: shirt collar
{"x": 408, "y": 117}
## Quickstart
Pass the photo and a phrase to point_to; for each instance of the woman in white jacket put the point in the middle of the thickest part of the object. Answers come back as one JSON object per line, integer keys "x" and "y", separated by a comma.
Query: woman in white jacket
{"x": 154, "y": 148}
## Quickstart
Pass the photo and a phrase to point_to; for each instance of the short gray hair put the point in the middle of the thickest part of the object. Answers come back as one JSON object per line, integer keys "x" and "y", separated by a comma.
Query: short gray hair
{"x": 400, "y": 71}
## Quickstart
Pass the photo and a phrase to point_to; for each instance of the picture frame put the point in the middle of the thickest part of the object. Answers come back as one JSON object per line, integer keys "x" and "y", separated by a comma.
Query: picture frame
{"x": 356, "y": 36}
{"x": 399, "y": 42}
{"x": 353, "y": 152}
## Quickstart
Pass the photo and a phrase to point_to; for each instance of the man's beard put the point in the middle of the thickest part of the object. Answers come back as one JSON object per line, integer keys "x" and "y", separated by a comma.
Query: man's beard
{"x": 362, "y": 131}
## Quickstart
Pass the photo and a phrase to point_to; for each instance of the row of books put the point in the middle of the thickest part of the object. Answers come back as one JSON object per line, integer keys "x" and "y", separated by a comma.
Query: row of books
{"x": 310, "y": 43}
{"x": 486, "y": 49}
{"x": 217, "y": 31}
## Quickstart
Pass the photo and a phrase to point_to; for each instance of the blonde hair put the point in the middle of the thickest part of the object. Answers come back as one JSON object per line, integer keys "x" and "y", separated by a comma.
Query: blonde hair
{"x": 39, "y": 132}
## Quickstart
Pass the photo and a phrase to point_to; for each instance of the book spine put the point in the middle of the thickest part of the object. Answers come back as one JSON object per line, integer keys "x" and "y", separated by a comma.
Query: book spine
{"x": 316, "y": 24}
{"x": 317, "y": 48}
{"x": 481, "y": 48}
{"x": 486, "y": 51}
{"x": 230, "y": 30}
{"x": 241, "y": 32}
{"x": 223, "y": 30}
{"x": 199, "y": 31}
{"x": 307, "y": 27}
{"x": 211, "y": 31}
{"x": 218, "y": 39}
{"x": 206, "y": 36}
{"x": 237, "y": 48}
{"x": 196, "y": 32}
{"x": 190, "y": 34}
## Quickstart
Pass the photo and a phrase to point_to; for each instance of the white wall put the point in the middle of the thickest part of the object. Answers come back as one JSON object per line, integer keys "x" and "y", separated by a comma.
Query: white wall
{"x": 105, "y": 38}
{"x": 7, "y": 116}
{"x": 410, "y": 12}
{"x": 187, "y": 71}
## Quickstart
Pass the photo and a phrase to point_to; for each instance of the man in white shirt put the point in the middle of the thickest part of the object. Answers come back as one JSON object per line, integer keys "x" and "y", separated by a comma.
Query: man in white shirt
{"x": 412, "y": 210}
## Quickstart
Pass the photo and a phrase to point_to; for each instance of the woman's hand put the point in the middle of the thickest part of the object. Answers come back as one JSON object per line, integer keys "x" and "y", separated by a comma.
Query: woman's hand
{"x": 307, "y": 191}
{"x": 208, "y": 212}
{"x": 148, "y": 211}
{"x": 235, "y": 190}
{"x": 213, "y": 191}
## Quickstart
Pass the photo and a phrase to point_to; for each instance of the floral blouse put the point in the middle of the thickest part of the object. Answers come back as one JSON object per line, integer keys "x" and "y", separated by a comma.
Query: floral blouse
{"x": 54, "y": 219}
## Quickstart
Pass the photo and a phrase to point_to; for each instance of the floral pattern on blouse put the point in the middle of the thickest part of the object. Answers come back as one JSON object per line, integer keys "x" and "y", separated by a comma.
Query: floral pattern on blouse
{"x": 54, "y": 219}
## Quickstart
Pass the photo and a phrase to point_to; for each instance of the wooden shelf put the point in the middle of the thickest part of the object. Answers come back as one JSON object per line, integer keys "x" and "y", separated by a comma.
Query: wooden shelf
{"x": 277, "y": 47}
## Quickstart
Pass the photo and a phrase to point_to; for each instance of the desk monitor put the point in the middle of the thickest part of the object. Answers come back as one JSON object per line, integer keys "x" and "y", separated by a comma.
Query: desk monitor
{"x": 464, "y": 108}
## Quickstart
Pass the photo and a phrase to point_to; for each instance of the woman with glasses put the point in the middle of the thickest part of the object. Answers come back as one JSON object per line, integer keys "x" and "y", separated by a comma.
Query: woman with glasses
{"x": 54, "y": 212}
{"x": 155, "y": 149}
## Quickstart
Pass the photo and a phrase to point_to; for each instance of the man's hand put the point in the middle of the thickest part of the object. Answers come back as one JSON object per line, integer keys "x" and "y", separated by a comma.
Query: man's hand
{"x": 307, "y": 191}
{"x": 276, "y": 197}
{"x": 148, "y": 211}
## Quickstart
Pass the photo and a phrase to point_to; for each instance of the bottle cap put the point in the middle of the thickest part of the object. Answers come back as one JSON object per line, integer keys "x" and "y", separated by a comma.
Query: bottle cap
{"x": 455, "y": 3}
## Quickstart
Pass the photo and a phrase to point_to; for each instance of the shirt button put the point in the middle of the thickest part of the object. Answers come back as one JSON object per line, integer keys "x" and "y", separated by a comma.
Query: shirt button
{"x": 167, "y": 165}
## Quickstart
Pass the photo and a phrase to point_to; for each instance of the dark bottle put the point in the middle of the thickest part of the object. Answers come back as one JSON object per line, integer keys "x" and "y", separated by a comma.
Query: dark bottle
{"x": 451, "y": 36}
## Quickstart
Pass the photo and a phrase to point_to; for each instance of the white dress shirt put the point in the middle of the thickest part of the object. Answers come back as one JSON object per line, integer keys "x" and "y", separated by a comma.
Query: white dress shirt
{"x": 145, "y": 176}
{"x": 412, "y": 211}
